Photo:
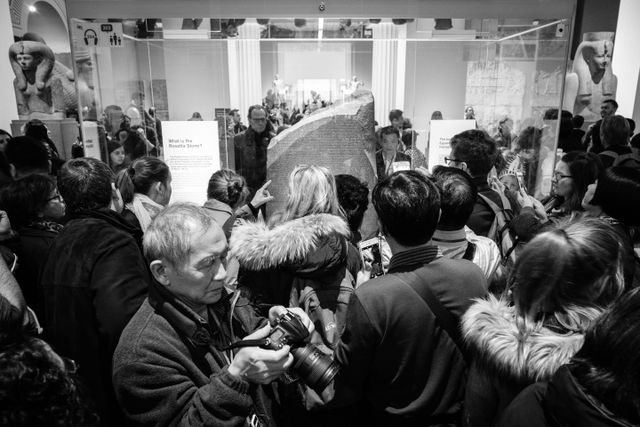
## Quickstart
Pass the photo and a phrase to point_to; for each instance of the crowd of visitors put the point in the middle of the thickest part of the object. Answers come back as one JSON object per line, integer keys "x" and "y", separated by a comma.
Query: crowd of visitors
{"x": 495, "y": 302}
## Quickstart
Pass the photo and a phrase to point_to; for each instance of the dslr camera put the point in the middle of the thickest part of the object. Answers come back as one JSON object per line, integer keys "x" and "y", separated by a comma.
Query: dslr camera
{"x": 315, "y": 368}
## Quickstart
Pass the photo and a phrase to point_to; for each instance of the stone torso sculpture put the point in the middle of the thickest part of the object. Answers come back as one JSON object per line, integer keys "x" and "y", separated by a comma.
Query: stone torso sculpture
{"x": 591, "y": 80}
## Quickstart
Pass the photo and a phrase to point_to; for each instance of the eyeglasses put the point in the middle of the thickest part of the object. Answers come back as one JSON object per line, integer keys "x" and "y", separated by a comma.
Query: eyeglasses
{"x": 57, "y": 197}
{"x": 259, "y": 120}
{"x": 558, "y": 176}
{"x": 449, "y": 161}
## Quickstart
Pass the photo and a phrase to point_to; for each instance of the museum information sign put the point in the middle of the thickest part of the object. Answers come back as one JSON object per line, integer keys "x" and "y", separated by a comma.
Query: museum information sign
{"x": 191, "y": 151}
{"x": 440, "y": 135}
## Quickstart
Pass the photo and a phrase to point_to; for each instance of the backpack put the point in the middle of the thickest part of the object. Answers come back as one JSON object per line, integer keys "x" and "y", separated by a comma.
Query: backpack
{"x": 326, "y": 305}
{"x": 499, "y": 231}
{"x": 629, "y": 160}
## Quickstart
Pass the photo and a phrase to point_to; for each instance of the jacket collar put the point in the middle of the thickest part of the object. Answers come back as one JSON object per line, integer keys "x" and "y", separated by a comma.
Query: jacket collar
{"x": 113, "y": 218}
{"x": 259, "y": 247}
{"x": 412, "y": 258}
{"x": 182, "y": 318}
{"x": 507, "y": 346}
{"x": 216, "y": 205}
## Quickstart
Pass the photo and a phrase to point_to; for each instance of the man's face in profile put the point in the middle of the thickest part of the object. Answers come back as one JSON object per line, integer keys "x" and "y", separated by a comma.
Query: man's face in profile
{"x": 258, "y": 120}
{"x": 607, "y": 109}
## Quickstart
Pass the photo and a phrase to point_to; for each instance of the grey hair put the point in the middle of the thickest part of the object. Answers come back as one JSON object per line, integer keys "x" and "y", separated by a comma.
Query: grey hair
{"x": 168, "y": 238}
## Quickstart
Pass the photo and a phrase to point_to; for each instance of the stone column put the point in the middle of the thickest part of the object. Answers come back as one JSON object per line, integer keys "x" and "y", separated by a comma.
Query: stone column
{"x": 388, "y": 69}
{"x": 245, "y": 74}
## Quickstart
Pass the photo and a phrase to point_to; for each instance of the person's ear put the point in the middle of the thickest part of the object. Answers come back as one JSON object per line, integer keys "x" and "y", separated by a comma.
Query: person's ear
{"x": 464, "y": 167}
{"x": 159, "y": 272}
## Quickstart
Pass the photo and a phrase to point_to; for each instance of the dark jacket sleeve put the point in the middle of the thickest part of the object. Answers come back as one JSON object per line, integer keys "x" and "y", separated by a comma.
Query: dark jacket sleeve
{"x": 354, "y": 353}
{"x": 170, "y": 397}
{"x": 119, "y": 281}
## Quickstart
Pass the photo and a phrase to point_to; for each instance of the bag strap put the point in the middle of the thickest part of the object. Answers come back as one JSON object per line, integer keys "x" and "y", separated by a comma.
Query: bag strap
{"x": 470, "y": 252}
{"x": 443, "y": 316}
{"x": 609, "y": 153}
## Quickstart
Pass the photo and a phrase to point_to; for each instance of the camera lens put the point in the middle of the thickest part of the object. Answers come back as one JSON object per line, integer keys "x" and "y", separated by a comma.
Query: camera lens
{"x": 315, "y": 368}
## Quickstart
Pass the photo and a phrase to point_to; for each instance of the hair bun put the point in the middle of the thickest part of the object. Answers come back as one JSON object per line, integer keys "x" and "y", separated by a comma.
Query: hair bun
{"x": 131, "y": 171}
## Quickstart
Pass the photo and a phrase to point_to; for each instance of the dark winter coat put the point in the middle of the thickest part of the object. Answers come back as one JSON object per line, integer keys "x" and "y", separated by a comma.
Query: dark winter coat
{"x": 163, "y": 377}
{"x": 508, "y": 358}
{"x": 397, "y": 362}
{"x": 94, "y": 280}
{"x": 562, "y": 402}
{"x": 250, "y": 153}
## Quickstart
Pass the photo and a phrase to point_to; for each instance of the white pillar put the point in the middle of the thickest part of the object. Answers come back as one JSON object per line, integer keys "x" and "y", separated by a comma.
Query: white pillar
{"x": 245, "y": 74}
{"x": 8, "y": 108}
{"x": 388, "y": 69}
{"x": 626, "y": 60}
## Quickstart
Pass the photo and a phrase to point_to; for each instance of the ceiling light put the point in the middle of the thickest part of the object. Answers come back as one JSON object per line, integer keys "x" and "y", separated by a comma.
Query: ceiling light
{"x": 32, "y": 8}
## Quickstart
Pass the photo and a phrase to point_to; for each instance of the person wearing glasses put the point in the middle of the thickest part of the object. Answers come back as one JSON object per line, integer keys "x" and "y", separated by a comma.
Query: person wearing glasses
{"x": 572, "y": 176}
{"x": 35, "y": 209}
{"x": 474, "y": 151}
{"x": 250, "y": 149}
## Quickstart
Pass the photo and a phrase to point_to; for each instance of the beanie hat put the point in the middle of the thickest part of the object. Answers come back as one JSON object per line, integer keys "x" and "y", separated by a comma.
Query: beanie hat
{"x": 113, "y": 145}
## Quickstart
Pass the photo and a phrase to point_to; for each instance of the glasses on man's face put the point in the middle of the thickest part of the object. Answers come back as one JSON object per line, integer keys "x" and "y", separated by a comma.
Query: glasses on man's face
{"x": 261, "y": 119}
{"x": 449, "y": 161}
{"x": 558, "y": 176}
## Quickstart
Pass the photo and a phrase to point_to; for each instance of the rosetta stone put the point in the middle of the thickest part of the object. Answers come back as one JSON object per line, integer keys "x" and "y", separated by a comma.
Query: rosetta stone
{"x": 340, "y": 137}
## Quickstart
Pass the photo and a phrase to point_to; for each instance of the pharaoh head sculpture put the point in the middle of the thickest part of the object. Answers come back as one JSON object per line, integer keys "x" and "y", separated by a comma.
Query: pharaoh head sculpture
{"x": 31, "y": 58}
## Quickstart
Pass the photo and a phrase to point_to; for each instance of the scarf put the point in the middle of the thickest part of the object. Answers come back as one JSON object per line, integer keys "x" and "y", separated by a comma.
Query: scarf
{"x": 144, "y": 209}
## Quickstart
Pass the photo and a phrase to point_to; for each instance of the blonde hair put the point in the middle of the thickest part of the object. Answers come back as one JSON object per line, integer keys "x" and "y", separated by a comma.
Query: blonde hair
{"x": 312, "y": 190}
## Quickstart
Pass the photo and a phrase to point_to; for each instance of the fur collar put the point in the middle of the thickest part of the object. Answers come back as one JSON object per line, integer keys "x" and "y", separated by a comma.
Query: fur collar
{"x": 259, "y": 247}
{"x": 531, "y": 354}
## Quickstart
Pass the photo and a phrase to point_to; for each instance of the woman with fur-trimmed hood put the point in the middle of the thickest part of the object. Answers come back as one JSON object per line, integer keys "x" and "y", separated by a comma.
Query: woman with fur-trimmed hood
{"x": 301, "y": 258}
{"x": 562, "y": 282}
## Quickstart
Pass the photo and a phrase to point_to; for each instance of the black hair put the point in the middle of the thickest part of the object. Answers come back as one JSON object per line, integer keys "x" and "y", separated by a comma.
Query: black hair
{"x": 584, "y": 169}
{"x": 228, "y": 187}
{"x": 27, "y": 154}
{"x": 618, "y": 194}
{"x": 409, "y": 138}
{"x": 529, "y": 139}
{"x": 389, "y": 130}
{"x": 26, "y": 198}
{"x": 85, "y": 184}
{"x": 140, "y": 176}
{"x": 232, "y": 112}
{"x": 353, "y": 196}
{"x": 608, "y": 364}
{"x": 458, "y": 195}
{"x": 408, "y": 206}
{"x": 615, "y": 131}
{"x": 35, "y": 390}
{"x": 395, "y": 115}
{"x": 257, "y": 107}
{"x": 577, "y": 121}
{"x": 477, "y": 149}
{"x": 612, "y": 102}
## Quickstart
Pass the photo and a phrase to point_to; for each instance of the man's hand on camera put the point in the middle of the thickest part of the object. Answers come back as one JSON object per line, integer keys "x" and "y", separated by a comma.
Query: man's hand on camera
{"x": 259, "y": 365}
{"x": 276, "y": 311}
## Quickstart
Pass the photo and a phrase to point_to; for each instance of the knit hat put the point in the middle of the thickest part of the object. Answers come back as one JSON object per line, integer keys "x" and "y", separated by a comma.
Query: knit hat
{"x": 113, "y": 145}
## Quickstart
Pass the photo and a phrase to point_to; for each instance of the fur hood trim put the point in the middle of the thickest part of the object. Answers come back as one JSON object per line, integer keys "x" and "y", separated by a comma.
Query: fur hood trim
{"x": 531, "y": 353}
{"x": 258, "y": 247}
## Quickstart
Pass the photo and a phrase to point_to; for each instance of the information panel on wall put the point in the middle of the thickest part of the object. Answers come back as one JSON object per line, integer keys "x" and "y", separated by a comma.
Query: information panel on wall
{"x": 192, "y": 153}
{"x": 439, "y": 137}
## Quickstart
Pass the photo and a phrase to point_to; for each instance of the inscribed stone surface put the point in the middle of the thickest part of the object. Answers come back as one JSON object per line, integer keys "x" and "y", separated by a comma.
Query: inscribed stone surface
{"x": 340, "y": 137}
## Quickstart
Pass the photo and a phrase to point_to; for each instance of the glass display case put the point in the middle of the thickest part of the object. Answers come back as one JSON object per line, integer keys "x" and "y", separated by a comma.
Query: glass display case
{"x": 161, "y": 69}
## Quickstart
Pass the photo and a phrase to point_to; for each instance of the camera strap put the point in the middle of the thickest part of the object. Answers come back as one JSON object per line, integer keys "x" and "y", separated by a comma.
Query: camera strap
{"x": 247, "y": 343}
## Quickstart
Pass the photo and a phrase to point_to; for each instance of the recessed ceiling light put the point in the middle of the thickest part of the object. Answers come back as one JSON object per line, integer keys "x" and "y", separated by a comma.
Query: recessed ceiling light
{"x": 32, "y": 8}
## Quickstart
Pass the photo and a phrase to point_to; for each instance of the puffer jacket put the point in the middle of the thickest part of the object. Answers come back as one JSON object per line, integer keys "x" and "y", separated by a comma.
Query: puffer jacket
{"x": 507, "y": 357}
{"x": 560, "y": 402}
{"x": 310, "y": 250}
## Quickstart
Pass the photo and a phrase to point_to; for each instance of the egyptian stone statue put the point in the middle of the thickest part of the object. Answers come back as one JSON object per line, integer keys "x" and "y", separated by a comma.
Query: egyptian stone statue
{"x": 591, "y": 80}
{"x": 44, "y": 87}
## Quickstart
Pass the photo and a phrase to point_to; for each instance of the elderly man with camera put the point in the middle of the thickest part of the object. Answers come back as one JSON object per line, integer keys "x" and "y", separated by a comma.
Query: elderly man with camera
{"x": 196, "y": 353}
